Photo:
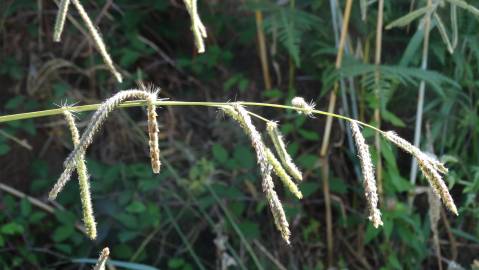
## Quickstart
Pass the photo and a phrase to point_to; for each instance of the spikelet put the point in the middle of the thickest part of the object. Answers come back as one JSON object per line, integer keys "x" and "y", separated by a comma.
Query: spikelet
{"x": 60, "y": 20}
{"x": 303, "y": 106}
{"x": 153, "y": 133}
{"x": 93, "y": 127}
{"x": 240, "y": 115}
{"x": 101, "y": 263}
{"x": 84, "y": 184}
{"x": 430, "y": 167}
{"x": 279, "y": 145}
{"x": 282, "y": 174}
{"x": 97, "y": 40}
{"x": 197, "y": 27}
{"x": 369, "y": 182}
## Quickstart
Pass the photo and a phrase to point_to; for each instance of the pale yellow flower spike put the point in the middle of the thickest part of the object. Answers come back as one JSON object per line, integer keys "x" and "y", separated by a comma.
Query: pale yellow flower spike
{"x": 85, "y": 195}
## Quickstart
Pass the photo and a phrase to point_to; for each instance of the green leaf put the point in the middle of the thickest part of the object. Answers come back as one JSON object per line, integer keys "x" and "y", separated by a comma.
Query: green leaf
{"x": 393, "y": 119}
{"x": 11, "y": 228}
{"x": 4, "y": 149}
{"x": 25, "y": 207}
{"x": 408, "y": 18}
{"x": 62, "y": 233}
{"x": 249, "y": 229}
{"x": 371, "y": 233}
{"x": 136, "y": 207}
{"x": 219, "y": 153}
{"x": 309, "y": 135}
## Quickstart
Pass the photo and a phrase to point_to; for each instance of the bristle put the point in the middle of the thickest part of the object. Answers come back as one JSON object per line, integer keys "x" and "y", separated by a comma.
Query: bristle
{"x": 303, "y": 106}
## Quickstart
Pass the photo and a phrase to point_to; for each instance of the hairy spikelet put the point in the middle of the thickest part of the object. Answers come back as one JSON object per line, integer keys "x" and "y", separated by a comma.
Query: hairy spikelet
{"x": 93, "y": 127}
{"x": 101, "y": 263}
{"x": 280, "y": 147}
{"x": 153, "y": 133}
{"x": 84, "y": 183}
{"x": 369, "y": 181}
{"x": 282, "y": 174}
{"x": 197, "y": 27}
{"x": 97, "y": 40}
{"x": 430, "y": 167}
{"x": 60, "y": 20}
{"x": 305, "y": 108}
{"x": 240, "y": 115}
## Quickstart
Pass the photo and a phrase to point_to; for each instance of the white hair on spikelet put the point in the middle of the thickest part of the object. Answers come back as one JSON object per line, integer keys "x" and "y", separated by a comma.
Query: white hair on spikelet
{"x": 369, "y": 181}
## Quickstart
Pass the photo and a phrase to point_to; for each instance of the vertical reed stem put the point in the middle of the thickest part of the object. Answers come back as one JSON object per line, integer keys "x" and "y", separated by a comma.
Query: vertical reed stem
{"x": 327, "y": 132}
{"x": 422, "y": 89}
{"x": 377, "y": 110}
{"x": 263, "y": 56}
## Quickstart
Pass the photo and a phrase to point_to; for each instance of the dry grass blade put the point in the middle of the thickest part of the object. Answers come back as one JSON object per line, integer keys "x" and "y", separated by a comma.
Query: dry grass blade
{"x": 84, "y": 183}
{"x": 369, "y": 182}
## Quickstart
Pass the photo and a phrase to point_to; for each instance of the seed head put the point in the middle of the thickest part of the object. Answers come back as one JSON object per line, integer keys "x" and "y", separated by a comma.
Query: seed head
{"x": 280, "y": 147}
{"x": 282, "y": 174}
{"x": 303, "y": 106}
{"x": 430, "y": 167}
{"x": 100, "y": 264}
{"x": 240, "y": 115}
{"x": 369, "y": 181}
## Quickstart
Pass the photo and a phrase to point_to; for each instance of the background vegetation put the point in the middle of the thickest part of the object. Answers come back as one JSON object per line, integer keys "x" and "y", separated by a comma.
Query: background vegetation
{"x": 206, "y": 209}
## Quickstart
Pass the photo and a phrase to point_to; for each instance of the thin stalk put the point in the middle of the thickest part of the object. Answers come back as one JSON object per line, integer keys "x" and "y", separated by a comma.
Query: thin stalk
{"x": 184, "y": 239}
{"x": 327, "y": 132}
{"x": 140, "y": 103}
{"x": 339, "y": 59}
{"x": 377, "y": 110}
{"x": 422, "y": 90}
{"x": 263, "y": 56}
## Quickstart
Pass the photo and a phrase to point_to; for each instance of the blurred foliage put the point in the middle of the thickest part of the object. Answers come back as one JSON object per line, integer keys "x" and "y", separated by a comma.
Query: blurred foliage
{"x": 206, "y": 209}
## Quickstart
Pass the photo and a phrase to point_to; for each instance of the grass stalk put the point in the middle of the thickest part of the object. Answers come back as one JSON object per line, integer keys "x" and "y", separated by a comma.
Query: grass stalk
{"x": 377, "y": 110}
{"x": 263, "y": 55}
{"x": 422, "y": 90}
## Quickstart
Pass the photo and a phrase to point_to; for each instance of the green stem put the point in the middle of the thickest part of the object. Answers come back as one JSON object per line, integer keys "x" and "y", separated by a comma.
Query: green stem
{"x": 138, "y": 103}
